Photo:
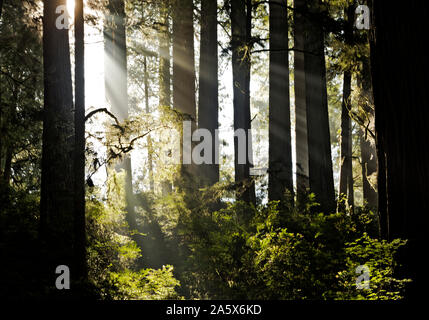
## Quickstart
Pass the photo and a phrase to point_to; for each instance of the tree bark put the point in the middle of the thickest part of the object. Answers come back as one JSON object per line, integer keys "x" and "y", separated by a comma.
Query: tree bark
{"x": 57, "y": 194}
{"x": 402, "y": 115}
{"x": 164, "y": 73}
{"x": 115, "y": 77}
{"x": 280, "y": 146}
{"x": 346, "y": 150}
{"x": 250, "y": 192}
{"x": 319, "y": 145}
{"x": 115, "y": 62}
{"x": 367, "y": 143}
{"x": 184, "y": 75}
{"x": 346, "y": 168}
{"x": 240, "y": 65}
{"x": 1, "y": 116}
{"x": 369, "y": 167}
{"x": 8, "y": 166}
{"x": 149, "y": 140}
{"x": 164, "y": 60}
{"x": 208, "y": 105}
{"x": 1, "y": 134}
{"x": 79, "y": 160}
{"x": 301, "y": 139}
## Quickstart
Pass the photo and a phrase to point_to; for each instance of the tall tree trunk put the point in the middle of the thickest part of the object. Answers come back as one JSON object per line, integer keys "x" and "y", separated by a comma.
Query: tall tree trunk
{"x": 79, "y": 160}
{"x": 367, "y": 143}
{"x": 1, "y": 134}
{"x": 115, "y": 77}
{"x": 1, "y": 123}
{"x": 57, "y": 194}
{"x": 149, "y": 139}
{"x": 208, "y": 87}
{"x": 280, "y": 146}
{"x": 402, "y": 117}
{"x": 8, "y": 165}
{"x": 369, "y": 167}
{"x": 346, "y": 169}
{"x": 346, "y": 150}
{"x": 184, "y": 75}
{"x": 301, "y": 139}
{"x": 250, "y": 192}
{"x": 164, "y": 59}
{"x": 164, "y": 73}
{"x": 115, "y": 62}
{"x": 319, "y": 145}
{"x": 240, "y": 65}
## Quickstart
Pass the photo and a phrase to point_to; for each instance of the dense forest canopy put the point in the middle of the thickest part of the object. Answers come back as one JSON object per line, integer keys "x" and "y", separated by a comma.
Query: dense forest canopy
{"x": 203, "y": 149}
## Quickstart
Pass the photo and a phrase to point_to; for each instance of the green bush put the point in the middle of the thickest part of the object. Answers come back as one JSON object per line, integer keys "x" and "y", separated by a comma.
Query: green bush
{"x": 113, "y": 255}
{"x": 276, "y": 251}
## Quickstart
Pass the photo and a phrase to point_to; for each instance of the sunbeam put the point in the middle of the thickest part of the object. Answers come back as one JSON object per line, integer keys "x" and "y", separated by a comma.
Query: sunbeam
{"x": 70, "y": 8}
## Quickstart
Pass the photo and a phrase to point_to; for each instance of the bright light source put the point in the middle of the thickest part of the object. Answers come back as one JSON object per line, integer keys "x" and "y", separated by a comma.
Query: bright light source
{"x": 70, "y": 8}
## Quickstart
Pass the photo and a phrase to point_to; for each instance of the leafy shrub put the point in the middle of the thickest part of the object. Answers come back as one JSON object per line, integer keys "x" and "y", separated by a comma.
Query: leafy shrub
{"x": 112, "y": 254}
{"x": 378, "y": 256}
{"x": 276, "y": 251}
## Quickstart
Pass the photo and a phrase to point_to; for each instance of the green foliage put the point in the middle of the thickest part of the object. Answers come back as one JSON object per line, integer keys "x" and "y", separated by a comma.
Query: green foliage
{"x": 21, "y": 93}
{"x": 112, "y": 254}
{"x": 276, "y": 251}
{"x": 219, "y": 248}
{"x": 378, "y": 256}
{"x": 147, "y": 284}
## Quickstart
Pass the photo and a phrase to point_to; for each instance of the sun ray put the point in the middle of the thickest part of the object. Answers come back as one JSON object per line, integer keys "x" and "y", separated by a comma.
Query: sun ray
{"x": 70, "y": 8}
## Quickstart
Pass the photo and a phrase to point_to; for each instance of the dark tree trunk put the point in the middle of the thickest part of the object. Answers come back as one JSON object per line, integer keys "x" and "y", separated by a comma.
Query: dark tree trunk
{"x": 208, "y": 86}
{"x": 346, "y": 150}
{"x": 164, "y": 73}
{"x": 319, "y": 145}
{"x": 1, "y": 119}
{"x": 115, "y": 77}
{"x": 250, "y": 192}
{"x": 280, "y": 147}
{"x": 79, "y": 160}
{"x": 2, "y": 134}
{"x": 369, "y": 167}
{"x": 1, "y": 137}
{"x": 57, "y": 194}
{"x": 184, "y": 74}
{"x": 346, "y": 169}
{"x": 8, "y": 166}
{"x": 302, "y": 179}
{"x": 402, "y": 116}
{"x": 240, "y": 65}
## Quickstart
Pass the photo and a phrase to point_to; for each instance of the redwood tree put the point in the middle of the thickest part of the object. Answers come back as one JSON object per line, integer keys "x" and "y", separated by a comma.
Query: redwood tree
{"x": 301, "y": 145}
{"x": 346, "y": 164}
{"x": 184, "y": 72}
{"x": 208, "y": 86}
{"x": 115, "y": 76}
{"x": 57, "y": 194}
{"x": 319, "y": 145}
{"x": 367, "y": 138}
{"x": 79, "y": 159}
{"x": 280, "y": 148}
{"x": 400, "y": 72}
{"x": 240, "y": 29}
{"x": 164, "y": 71}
